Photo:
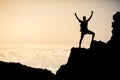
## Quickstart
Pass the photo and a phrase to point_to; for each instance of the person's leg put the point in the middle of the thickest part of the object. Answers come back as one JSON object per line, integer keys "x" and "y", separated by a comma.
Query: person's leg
{"x": 82, "y": 35}
{"x": 92, "y": 33}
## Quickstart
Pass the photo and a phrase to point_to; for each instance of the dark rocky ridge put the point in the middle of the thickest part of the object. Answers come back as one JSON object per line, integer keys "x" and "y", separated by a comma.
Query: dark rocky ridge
{"x": 100, "y": 61}
{"x": 17, "y": 71}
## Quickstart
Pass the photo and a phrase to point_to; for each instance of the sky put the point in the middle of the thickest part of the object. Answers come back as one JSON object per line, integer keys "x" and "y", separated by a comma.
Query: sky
{"x": 53, "y": 21}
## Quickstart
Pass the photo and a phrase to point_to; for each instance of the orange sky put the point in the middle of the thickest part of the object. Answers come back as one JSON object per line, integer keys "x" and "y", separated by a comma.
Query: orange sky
{"x": 53, "y": 21}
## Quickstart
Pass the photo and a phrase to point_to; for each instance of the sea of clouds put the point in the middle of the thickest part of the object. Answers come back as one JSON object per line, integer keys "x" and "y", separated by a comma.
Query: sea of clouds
{"x": 45, "y": 58}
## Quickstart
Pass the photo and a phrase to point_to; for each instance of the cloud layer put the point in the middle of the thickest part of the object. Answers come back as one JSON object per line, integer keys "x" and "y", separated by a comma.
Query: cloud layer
{"x": 48, "y": 58}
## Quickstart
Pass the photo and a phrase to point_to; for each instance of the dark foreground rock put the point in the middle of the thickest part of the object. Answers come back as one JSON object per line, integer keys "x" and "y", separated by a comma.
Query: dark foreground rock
{"x": 100, "y": 61}
{"x": 17, "y": 71}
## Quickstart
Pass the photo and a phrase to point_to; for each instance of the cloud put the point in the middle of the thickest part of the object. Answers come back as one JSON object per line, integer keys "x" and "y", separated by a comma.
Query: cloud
{"x": 45, "y": 58}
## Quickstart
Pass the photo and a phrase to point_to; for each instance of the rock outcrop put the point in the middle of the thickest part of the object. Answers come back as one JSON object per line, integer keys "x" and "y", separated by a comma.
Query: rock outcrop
{"x": 100, "y": 61}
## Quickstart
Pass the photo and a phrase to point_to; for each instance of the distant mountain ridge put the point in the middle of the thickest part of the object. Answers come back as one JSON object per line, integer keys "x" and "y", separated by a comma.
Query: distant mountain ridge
{"x": 16, "y": 71}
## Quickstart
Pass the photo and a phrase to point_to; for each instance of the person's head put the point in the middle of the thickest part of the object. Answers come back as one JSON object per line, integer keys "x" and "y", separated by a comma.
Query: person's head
{"x": 84, "y": 18}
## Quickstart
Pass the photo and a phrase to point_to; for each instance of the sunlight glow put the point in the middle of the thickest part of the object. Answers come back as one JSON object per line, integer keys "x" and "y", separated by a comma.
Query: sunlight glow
{"x": 53, "y": 21}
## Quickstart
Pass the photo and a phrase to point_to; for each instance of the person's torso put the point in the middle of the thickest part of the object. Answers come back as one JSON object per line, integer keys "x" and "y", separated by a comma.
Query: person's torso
{"x": 84, "y": 25}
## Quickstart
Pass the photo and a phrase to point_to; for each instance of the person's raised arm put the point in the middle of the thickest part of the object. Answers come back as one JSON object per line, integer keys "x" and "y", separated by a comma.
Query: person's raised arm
{"x": 90, "y": 16}
{"x": 77, "y": 17}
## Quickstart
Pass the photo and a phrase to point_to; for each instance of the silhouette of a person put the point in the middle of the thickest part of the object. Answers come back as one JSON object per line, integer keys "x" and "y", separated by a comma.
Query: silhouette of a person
{"x": 84, "y": 27}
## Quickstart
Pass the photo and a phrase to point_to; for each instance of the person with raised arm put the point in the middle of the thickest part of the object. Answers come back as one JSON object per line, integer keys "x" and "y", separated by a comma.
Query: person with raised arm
{"x": 84, "y": 27}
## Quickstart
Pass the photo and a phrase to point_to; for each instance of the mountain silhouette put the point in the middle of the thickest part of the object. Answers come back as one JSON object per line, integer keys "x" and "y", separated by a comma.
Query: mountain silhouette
{"x": 100, "y": 61}
{"x": 17, "y": 71}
